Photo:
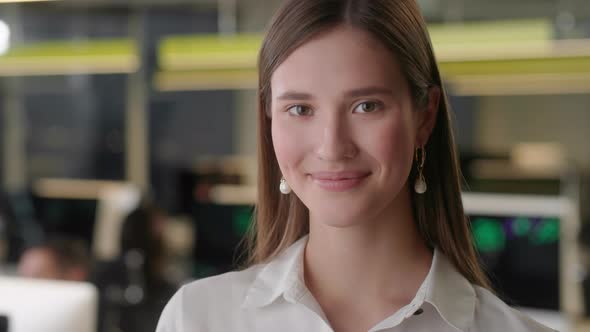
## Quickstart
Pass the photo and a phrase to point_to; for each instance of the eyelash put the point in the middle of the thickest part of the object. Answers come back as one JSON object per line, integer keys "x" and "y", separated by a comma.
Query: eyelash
{"x": 378, "y": 105}
{"x": 288, "y": 110}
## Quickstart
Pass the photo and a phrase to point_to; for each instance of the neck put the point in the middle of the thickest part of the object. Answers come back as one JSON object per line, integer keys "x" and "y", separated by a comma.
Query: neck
{"x": 382, "y": 261}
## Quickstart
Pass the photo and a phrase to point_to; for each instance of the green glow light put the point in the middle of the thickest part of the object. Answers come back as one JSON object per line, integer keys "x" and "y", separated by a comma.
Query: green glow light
{"x": 488, "y": 235}
{"x": 546, "y": 232}
{"x": 241, "y": 221}
{"x": 521, "y": 226}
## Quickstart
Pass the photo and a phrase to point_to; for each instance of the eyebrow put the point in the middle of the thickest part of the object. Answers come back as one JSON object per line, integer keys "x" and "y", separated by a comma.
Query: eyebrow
{"x": 371, "y": 90}
{"x": 366, "y": 91}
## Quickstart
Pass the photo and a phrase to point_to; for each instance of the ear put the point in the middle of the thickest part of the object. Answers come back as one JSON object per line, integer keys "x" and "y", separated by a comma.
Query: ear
{"x": 427, "y": 117}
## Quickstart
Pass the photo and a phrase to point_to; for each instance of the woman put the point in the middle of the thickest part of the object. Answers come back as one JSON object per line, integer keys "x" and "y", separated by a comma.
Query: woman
{"x": 359, "y": 223}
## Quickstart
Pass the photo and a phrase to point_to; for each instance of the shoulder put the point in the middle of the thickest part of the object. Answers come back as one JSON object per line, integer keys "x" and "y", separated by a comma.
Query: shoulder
{"x": 232, "y": 285}
{"x": 493, "y": 314}
{"x": 195, "y": 303}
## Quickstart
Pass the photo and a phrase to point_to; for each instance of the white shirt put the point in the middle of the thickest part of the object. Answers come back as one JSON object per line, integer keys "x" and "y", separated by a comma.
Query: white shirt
{"x": 273, "y": 297}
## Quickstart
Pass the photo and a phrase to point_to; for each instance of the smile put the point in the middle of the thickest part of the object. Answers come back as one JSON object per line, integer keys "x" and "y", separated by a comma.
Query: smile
{"x": 339, "y": 181}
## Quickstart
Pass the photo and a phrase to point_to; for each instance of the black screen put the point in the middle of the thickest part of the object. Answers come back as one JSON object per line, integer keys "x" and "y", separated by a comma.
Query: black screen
{"x": 220, "y": 230}
{"x": 3, "y": 323}
{"x": 521, "y": 257}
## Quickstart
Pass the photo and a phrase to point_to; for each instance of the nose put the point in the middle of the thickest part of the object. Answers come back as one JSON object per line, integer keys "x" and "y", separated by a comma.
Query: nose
{"x": 336, "y": 141}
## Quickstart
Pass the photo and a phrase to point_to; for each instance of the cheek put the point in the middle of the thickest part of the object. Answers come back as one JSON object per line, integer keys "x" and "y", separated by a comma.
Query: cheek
{"x": 286, "y": 146}
{"x": 394, "y": 144}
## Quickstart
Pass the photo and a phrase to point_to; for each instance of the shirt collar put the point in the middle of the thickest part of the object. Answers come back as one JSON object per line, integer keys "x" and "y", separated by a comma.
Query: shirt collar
{"x": 450, "y": 293}
{"x": 283, "y": 275}
{"x": 444, "y": 287}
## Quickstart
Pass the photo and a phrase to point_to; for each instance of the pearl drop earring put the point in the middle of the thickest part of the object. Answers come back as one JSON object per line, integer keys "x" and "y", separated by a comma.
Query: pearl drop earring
{"x": 284, "y": 187}
{"x": 420, "y": 184}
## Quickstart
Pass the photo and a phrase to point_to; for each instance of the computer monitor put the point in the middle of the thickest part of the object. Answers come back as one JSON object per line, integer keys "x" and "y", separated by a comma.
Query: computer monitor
{"x": 3, "y": 324}
{"x": 48, "y": 306}
{"x": 219, "y": 232}
{"x": 66, "y": 215}
{"x": 519, "y": 239}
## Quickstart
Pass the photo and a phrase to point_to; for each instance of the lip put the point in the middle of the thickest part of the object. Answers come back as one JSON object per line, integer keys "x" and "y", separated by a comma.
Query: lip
{"x": 339, "y": 181}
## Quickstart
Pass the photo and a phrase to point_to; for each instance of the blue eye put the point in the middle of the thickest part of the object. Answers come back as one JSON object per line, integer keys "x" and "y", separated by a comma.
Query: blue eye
{"x": 299, "y": 110}
{"x": 366, "y": 107}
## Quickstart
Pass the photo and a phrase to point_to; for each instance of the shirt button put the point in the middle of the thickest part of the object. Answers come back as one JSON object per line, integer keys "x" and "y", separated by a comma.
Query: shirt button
{"x": 418, "y": 312}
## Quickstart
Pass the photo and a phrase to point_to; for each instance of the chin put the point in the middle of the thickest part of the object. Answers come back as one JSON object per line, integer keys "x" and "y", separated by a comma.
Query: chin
{"x": 339, "y": 216}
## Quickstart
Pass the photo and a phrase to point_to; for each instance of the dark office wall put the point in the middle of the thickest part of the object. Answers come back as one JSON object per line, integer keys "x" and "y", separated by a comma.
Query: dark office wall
{"x": 464, "y": 112}
{"x": 75, "y": 128}
{"x": 1, "y": 140}
{"x": 45, "y": 21}
{"x": 75, "y": 125}
{"x": 188, "y": 125}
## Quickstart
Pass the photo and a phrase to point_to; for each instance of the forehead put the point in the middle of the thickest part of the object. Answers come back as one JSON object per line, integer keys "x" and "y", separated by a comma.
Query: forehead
{"x": 340, "y": 59}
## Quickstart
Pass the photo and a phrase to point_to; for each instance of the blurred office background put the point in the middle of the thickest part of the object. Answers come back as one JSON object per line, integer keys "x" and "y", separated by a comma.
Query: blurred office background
{"x": 127, "y": 144}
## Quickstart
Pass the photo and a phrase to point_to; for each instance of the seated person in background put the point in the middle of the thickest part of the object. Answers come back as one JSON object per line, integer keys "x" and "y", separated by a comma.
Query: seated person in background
{"x": 133, "y": 287}
{"x": 58, "y": 258}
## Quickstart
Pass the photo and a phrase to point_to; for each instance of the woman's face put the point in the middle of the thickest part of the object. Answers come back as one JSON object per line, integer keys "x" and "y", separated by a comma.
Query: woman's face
{"x": 343, "y": 126}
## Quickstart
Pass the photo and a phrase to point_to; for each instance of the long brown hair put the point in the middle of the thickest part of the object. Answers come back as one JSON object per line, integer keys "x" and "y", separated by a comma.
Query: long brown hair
{"x": 280, "y": 220}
